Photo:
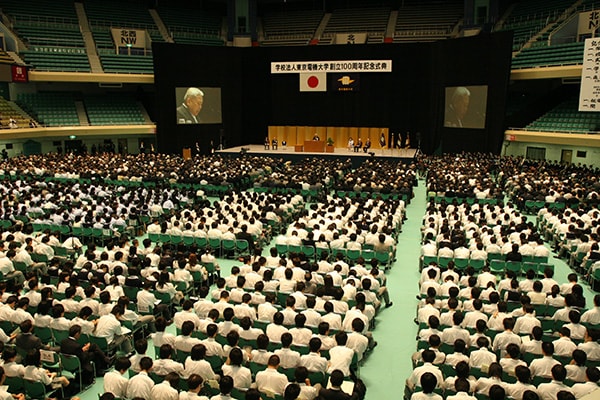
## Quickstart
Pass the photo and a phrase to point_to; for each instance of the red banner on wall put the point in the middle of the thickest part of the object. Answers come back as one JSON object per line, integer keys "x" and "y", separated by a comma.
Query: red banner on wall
{"x": 19, "y": 73}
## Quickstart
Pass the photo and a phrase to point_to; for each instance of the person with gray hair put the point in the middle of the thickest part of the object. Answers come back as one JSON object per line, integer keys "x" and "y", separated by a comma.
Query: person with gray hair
{"x": 187, "y": 113}
{"x": 458, "y": 107}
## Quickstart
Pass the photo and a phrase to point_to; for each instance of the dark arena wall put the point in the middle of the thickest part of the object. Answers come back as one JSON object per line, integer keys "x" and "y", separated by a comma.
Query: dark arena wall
{"x": 410, "y": 98}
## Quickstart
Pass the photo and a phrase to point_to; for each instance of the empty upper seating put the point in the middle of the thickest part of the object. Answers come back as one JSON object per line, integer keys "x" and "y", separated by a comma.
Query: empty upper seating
{"x": 566, "y": 118}
{"x": 126, "y": 64}
{"x": 357, "y": 20}
{"x": 9, "y": 110}
{"x": 191, "y": 25}
{"x": 102, "y": 17}
{"x": 50, "y": 108}
{"x": 425, "y": 21}
{"x": 58, "y": 59}
{"x": 113, "y": 110}
{"x": 5, "y": 58}
{"x": 52, "y": 34}
{"x": 60, "y": 10}
{"x": 290, "y": 29}
{"x": 531, "y": 16}
{"x": 40, "y": 25}
{"x": 119, "y": 14}
{"x": 560, "y": 54}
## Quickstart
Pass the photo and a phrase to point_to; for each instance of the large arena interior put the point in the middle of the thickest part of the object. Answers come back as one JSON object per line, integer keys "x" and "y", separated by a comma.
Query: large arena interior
{"x": 299, "y": 199}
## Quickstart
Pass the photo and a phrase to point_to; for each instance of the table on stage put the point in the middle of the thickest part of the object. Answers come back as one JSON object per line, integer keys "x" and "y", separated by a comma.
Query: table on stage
{"x": 314, "y": 146}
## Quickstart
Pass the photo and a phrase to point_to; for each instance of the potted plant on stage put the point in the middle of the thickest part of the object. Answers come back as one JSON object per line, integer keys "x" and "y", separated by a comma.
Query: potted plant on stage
{"x": 329, "y": 148}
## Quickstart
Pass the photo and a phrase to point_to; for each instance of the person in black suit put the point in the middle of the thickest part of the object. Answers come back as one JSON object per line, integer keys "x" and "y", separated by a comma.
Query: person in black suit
{"x": 26, "y": 340}
{"x": 187, "y": 113}
{"x": 358, "y": 145}
{"x": 335, "y": 393}
{"x": 86, "y": 353}
{"x": 244, "y": 235}
{"x": 367, "y": 145}
{"x": 514, "y": 254}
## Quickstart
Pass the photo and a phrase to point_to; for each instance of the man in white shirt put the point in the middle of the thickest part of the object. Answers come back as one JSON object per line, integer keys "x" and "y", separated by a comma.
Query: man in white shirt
{"x": 357, "y": 341}
{"x": 270, "y": 380}
{"x": 165, "y": 365}
{"x": 482, "y": 356}
{"x": 288, "y": 358}
{"x": 213, "y": 348}
{"x": 543, "y": 366}
{"x": 186, "y": 314}
{"x": 505, "y": 338}
{"x": 527, "y": 322}
{"x": 160, "y": 337}
{"x": 8, "y": 270}
{"x": 340, "y": 356}
{"x": 167, "y": 389}
{"x": 141, "y": 384}
{"x": 116, "y": 382}
{"x": 591, "y": 385}
{"x": 548, "y": 391}
{"x": 592, "y": 316}
{"x": 415, "y": 378}
{"x": 313, "y": 360}
{"x": 110, "y": 328}
{"x": 591, "y": 344}
{"x": 564, "y": 346}
{"x": 185, "y": 341}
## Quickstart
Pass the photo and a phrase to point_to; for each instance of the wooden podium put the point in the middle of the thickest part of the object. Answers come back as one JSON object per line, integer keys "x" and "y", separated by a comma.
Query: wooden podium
{"x": 187, "y": 153}
{"x": 314, "y": 146}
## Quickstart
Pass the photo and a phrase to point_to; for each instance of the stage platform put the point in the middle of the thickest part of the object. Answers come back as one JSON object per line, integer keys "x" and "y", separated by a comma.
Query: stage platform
{"x": 288, "y": 153}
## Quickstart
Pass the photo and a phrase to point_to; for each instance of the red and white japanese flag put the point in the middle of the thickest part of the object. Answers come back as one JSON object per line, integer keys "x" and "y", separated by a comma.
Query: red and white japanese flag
{"x": 313, "y": 82}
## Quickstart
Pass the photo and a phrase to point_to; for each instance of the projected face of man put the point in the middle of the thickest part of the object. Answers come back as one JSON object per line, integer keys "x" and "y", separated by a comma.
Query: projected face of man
{"x": 194, "y": 104}
{"x": 461, "y": 105}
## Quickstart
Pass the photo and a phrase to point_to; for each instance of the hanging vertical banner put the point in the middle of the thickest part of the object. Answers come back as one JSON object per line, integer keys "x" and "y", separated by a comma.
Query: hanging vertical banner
{"x": 589, "y": 91}
{"x": 130, "y": 37}
{"x": 19, "y": 73}
{"x": 588, "y": 22}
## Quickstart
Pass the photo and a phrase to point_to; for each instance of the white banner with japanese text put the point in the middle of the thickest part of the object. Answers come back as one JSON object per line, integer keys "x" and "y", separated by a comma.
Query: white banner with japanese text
{"x": 589, "y": 92}
{"x": 295, "y": 67}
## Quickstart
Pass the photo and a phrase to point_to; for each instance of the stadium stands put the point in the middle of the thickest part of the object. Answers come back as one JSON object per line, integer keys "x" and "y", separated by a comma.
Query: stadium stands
{"x": 566, "y": 118}
{"x": 70, "y": 60}
{"x": 372, "y": 21}
{"x": 5, "y": 58}
{"x": 133, "y": 16}
{"x": 192, "y": 26}
{"x": 120, "y": 110}
{"x": 49, "y": 32}
{"x": 8, "y": 111}
{"x": 560, "y": 54}
{"x": 419, "y": 21}
{"x": 530, "y": 17}
{"x": 101, "y": 14}
{"x": 126, "y": 64}
{"x": 51, "y": 108}
{"x": 290, "y": 29}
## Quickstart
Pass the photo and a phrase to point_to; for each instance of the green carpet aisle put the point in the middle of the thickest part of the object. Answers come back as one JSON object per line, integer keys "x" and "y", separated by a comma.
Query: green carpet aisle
{"x": 389, "y": 365}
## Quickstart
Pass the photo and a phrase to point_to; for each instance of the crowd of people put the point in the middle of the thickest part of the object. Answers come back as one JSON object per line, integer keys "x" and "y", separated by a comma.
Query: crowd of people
{"x": 503, "y": 333}
{"x": 282, "y": 318}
